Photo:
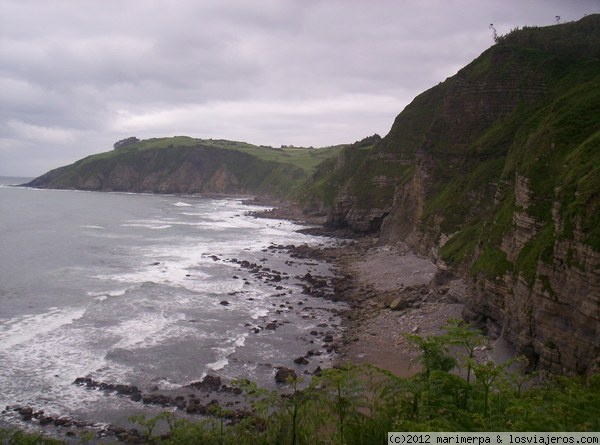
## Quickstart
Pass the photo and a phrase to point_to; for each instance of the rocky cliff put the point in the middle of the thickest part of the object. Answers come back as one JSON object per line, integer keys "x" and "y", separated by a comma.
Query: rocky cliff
{"x": 495, "y": 173}
{"x": 184, "y": 165}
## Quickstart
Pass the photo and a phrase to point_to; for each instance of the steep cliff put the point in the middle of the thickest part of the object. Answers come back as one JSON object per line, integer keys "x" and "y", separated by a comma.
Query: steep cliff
{"x": 186, "y": 165}
{"x": 496, "y": 173}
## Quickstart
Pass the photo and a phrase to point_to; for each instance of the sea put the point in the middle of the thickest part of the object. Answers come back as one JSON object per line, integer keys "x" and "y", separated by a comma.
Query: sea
{"x": 146, "y": 290}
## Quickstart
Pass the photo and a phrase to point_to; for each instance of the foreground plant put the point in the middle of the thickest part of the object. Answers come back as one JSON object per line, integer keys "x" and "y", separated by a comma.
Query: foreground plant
{"x": 358, "y": 405}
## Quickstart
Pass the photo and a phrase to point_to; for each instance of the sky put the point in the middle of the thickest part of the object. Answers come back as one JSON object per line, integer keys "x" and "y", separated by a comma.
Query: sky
{"x": 78, "y": 75}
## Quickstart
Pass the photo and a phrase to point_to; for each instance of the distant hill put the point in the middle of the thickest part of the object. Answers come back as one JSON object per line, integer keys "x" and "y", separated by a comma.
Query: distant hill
{"x": 186, "y": 165}
{"x": 495, "y": 173}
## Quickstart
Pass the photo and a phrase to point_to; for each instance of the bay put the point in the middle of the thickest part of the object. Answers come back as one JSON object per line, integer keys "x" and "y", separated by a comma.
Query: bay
{"x": 146, "y": 290}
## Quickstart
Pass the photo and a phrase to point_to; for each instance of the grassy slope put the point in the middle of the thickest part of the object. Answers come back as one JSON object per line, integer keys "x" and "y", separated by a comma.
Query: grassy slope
{"x": 264, "y": 170}
{"x": 305, "y": 158}
{"x": 551, "y": 137}
{"x": 556, "y": 146}
{"x": 331, "y": 176}
{"x": 553, "y": 141}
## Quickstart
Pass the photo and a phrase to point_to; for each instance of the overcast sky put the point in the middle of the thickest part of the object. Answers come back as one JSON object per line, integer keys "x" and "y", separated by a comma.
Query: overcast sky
{"x": 78, "y": 75}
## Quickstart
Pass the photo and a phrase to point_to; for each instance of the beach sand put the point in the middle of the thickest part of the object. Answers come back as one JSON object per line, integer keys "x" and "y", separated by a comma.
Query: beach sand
{"x": 382, "y": 276}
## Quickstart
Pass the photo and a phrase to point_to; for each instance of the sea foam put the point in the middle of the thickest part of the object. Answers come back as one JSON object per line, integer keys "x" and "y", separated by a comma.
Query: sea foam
{"x": 25, "y": 328}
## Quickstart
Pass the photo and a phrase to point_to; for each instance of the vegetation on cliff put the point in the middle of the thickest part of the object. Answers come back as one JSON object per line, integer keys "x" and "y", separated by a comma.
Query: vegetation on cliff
{"x": 496, "y": 172}
{"x": 186, "y": 165}
{"x": 320, "y": 190}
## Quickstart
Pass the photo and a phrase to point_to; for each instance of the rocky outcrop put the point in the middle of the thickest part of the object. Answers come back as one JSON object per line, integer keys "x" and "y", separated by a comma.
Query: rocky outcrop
{"x": 556, "y": 320}
{"x": 406, "y": 210}
{"x": 125, "y": 142}
{"x": 364, "y": 220}
{"x": 550, "y": 309}
{"x": 285, "y": 375}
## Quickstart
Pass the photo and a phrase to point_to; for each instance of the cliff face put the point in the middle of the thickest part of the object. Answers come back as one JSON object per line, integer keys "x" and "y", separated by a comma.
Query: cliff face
{"x": 175, "y": 169}
{"x": 496, "y": 173}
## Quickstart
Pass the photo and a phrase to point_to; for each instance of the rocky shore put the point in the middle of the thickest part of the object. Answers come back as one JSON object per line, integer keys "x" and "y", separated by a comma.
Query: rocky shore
{"x": 388, "y": 291}
{"x": 391, "y": 291}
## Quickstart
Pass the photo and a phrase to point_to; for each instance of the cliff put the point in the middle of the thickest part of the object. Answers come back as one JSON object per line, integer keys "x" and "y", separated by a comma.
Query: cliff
{"x": 495, "y": 173}
{"x": 186, "y": 165}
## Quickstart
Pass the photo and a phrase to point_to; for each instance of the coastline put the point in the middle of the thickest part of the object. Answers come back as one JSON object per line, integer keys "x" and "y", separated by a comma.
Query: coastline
{"x": 300, "y": 321}
{"x": 370, "y": 278}
{"x": 391, "y": 291}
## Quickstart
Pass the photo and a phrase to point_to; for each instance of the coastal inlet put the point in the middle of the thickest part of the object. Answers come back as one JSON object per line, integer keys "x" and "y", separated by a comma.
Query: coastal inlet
{"x": 151, "y": 291}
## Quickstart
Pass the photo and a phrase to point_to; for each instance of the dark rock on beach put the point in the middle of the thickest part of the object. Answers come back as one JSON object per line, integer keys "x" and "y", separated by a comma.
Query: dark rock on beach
{"x": 285, "y": 375}
{"x": 208, "y": 383}
{"x": 301, "y": 361}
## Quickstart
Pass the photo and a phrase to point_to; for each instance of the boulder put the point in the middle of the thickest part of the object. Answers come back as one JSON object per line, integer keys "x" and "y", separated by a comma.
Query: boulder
{"x": 301, "y": 361}
{"x": 208, "y": 383}
{"x": 285, "y": 375}
{"x": 399, "y": 304}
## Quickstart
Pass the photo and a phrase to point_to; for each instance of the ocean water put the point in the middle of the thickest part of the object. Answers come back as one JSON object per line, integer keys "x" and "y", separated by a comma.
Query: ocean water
{"x": 127, "y": 288}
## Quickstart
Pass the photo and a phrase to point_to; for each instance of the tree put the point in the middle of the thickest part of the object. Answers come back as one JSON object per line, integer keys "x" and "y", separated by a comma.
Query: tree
{"x": 434, "y": 353}
{"x": 125, "y": 142}
{"x": 494, "y": 33}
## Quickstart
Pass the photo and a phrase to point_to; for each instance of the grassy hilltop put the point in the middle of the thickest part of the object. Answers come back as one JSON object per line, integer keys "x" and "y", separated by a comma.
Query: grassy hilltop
{"x": 183, "y": 164}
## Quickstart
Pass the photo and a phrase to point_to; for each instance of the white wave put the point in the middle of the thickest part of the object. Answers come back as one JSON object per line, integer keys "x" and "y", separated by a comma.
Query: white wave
{"x": 240, "y": 340}
{"x": 47, "y": 365}
{"x": 181, "y": 272}
{"x": 103, "y": 295}
{"x": 256, "y": 313}
{"x": 141, "y": 331}
{"x": 224, "y": 352}
{"x": 25, "y": 328}
{"x": 166, "y": 384}
{"x": 93, "y": 227}
{"x": 182, "y": 204}
{"x": 186, "y": 223}
{"x": 221, "y": 362}
{"x": 148, "y": 225}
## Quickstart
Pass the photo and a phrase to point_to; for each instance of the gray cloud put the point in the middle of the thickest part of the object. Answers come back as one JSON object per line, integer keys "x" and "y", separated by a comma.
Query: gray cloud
{"x": 78, "y": 75}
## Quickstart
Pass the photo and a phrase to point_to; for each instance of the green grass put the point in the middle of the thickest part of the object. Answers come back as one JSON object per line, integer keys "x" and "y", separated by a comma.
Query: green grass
{"x": 537, "y": 249}
{"x": 459, "y": 249}
{"x": 555, "y": 144}
{"x": 175, "y": 141}
{"x": 305, "y": 158}
{"x": 335, "y": 174}
{"x": 492, "y": 262}
{"x": 256, "y": 170}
